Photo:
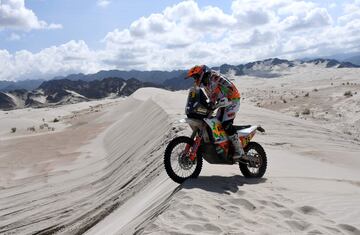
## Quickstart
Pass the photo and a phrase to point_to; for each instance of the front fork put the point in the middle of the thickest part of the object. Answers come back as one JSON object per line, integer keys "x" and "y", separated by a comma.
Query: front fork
{"x": 192, "y": 150}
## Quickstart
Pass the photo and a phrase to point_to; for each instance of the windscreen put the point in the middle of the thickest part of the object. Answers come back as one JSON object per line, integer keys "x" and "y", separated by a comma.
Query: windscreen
{"x": 197, "y": 106}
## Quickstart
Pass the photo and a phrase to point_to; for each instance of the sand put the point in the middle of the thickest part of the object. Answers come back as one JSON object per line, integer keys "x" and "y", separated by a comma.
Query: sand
{"x": 101, "y": 172}
{"x": 67, "y": 181}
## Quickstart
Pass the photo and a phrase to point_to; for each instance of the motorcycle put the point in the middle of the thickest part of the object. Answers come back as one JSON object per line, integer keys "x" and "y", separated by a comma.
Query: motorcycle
{"x": 184, "y": 155}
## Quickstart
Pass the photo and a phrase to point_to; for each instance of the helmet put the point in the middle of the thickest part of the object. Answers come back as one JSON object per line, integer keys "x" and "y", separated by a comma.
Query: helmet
{"x": 200, "y": 73}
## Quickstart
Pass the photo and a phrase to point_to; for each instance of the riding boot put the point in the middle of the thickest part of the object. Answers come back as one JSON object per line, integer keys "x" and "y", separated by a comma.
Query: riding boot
{"x": 238, "y": 150}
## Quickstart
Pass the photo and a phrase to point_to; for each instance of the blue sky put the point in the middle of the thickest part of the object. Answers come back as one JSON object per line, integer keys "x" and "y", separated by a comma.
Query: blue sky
{"x": 41, "y": 39}
{"x": 85, "y": 20}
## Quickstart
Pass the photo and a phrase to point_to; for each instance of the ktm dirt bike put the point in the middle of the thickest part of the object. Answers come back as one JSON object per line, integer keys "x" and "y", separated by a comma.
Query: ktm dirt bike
{"x": 184, "y": 155}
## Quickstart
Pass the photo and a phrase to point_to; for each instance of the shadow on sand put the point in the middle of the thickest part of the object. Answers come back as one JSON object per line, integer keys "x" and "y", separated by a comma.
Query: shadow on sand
{"x": 220, "y": 184}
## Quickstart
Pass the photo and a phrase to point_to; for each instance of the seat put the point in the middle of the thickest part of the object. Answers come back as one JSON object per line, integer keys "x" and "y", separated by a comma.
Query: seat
{"x": 238, "y": 128}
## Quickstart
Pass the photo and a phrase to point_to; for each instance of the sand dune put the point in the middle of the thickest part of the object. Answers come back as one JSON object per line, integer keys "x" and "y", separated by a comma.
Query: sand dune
{"x": 308, "y": 188}
{"x": 68, "y": 181}
{"x": 101, "y": 170}
{"x": 312, "y": 186}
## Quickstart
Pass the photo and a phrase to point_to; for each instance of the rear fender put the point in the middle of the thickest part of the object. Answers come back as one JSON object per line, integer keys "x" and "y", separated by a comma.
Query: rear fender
{"x": 247, "y": 134}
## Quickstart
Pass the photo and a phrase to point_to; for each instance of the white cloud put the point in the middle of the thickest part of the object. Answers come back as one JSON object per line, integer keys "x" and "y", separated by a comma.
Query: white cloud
{"x": 185, "y": 34}
{"x": 103, "y": 3}
{"x": 251, "y": 13}
{"x": 15, "y": 15}
{"x": 74, "y": 56}
{"x": 318, "y": 17}
{"x": 351, "y": 7}
{"x": 254, "y": 29}
{"x": 352, "y": 12}
{"x": 171, "y": 33}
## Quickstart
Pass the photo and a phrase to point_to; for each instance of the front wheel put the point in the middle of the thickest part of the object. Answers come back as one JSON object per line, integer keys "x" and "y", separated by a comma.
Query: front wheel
{"x": 256, "y": 166}
{"x": 178, "y": 164}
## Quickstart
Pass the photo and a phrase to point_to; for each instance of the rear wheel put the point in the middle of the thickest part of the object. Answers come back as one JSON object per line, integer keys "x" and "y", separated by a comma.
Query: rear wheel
{"x": 256, "y": 166}
{"x": 178, "y": 164}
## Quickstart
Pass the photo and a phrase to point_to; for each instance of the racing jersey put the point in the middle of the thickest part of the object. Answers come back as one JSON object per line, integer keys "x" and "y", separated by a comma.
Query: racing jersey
{"x": 219, "y": 87}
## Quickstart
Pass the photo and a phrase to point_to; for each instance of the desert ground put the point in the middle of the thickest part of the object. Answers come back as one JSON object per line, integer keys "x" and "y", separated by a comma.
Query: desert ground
{"x": 98, "y": 169}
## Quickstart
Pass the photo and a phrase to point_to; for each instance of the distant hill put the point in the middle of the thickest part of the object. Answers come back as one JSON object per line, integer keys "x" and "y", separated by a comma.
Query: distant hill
{"x": 65, "y": 91}
{"x": 330, "y": 63}
{"x": 178, "y": 83}
{"x": 273, "y": 64}
{"x": 173, "y": 80}
{"x": 352, "y": 57}
{"x": 6, "y": 102}
{"x": 157, "y": 77}
{"x": 25, "y": 84}
{"x": 354, "y": 60}
{"x": 269, "y": 68}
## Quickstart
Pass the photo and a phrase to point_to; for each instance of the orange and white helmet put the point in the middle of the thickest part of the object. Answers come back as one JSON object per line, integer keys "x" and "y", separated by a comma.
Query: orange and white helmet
{"x": 197, "y": 72}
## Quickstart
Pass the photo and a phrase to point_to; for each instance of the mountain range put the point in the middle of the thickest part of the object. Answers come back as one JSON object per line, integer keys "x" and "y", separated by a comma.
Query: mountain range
{"x": 154, "y": 76}
{"x": 267, "y": 68}
{"x": 170, "y": 79}
{"x": 65, "y": 91}
{"x": 354, "y": 59}
{"x": 24, "y": 84}
{"x": 81, "y": 87}
{"x": 174, "y": 79}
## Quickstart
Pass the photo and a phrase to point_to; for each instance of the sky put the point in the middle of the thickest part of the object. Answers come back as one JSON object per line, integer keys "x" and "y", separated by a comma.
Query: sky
{"x": 43, "y": 38}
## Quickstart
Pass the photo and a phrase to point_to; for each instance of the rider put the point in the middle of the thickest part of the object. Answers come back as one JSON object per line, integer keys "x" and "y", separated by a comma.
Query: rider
{"x": 223, "y": 95}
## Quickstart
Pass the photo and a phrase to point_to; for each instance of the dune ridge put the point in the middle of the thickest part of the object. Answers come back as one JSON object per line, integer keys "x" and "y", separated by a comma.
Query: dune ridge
{"x": 104, "y": 173}
{"x": 311, "y": 186}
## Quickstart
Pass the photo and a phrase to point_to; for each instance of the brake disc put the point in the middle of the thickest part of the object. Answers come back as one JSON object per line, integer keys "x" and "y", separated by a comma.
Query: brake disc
{"x": 254, "y": 160}
{"x": 185, "y": 162}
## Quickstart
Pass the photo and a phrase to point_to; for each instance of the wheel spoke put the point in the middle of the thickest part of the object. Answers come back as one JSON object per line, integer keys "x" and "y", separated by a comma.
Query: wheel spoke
{"x": 181, "y": 165}
{"x": 256, "y": 162}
